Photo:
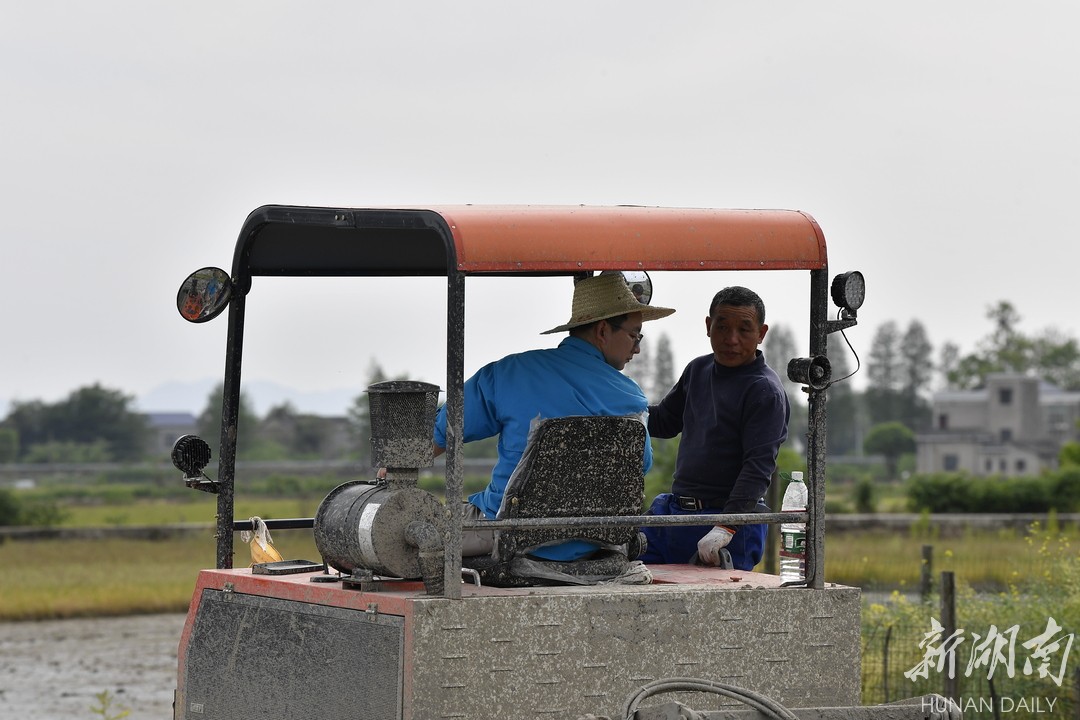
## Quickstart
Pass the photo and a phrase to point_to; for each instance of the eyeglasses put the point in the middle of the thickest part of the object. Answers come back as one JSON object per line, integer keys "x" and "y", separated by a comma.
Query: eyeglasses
{"x": 636, "y": 337}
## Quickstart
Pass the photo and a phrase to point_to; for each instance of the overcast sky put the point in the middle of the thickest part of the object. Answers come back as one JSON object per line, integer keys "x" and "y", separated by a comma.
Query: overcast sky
{"x": 935, "y": 143}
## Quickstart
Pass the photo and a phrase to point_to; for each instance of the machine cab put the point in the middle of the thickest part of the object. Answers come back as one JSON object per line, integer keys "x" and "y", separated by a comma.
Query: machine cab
{"x": 405, "y": 603}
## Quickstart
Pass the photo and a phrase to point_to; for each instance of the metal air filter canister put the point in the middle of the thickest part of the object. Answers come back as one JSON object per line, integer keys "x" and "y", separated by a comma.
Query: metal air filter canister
{"x": 402, "y": 418}
{"x": 361, "y": 525}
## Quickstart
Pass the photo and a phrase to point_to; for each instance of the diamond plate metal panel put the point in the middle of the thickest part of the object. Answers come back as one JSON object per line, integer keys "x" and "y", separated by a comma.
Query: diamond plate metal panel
{"x": 255, "y": 658}
{"x": 559, "y": 654}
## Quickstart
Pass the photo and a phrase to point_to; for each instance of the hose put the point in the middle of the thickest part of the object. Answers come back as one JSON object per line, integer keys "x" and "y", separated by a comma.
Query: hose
{"x": 759, "y": 702}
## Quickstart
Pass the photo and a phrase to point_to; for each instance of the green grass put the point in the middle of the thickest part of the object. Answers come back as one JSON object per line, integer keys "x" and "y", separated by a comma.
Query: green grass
{"x": 986, "y": 560}
{"x": 75, "y": 578}
{"x": 66, "y": 578}
{"x": 200, "y": 510}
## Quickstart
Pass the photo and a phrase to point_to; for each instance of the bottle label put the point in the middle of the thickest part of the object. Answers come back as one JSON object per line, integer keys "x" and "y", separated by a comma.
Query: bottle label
{"x": 793, "y": 544}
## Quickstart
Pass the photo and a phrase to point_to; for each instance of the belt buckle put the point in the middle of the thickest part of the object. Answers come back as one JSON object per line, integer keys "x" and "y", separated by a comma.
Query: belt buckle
{"x": 690, "y": 503}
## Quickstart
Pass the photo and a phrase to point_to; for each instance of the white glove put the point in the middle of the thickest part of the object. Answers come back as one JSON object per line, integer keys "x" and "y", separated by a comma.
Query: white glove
{"x": 708, "y": 547}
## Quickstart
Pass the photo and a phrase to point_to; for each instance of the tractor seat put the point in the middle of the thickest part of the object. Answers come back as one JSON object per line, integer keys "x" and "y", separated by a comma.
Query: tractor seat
{"x": 578, "y": 466}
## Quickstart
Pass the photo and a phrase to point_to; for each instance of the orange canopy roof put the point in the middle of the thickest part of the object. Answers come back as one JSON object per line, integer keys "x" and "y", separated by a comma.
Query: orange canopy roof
{"x": 548, "y": 238}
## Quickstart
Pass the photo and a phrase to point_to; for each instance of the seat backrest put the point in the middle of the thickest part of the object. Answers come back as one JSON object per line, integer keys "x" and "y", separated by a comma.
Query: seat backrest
{"x": 578, "y": 466}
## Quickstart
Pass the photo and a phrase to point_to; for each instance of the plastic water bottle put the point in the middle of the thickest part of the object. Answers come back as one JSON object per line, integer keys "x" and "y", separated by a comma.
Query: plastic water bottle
{"x": 793, "y": 535}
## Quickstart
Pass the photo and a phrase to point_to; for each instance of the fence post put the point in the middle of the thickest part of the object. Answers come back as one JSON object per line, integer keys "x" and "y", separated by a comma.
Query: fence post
{"x": 948, "y": 623}
{"x": 926, "y": 572}
{"x": 885, "y": 663}
{"x": 1076, "y": 693}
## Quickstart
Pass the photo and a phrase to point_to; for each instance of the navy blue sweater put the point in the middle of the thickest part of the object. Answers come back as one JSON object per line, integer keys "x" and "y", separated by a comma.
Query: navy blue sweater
{"x": 733, "y": 421}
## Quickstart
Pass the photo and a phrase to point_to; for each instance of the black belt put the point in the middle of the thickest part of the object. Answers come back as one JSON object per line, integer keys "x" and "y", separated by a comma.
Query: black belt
{"x": 692, "y": 503}
{"x": 686, "y": 502}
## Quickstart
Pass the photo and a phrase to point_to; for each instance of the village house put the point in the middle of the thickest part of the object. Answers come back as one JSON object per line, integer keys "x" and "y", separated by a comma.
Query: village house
{"x": 1014, "y": 425}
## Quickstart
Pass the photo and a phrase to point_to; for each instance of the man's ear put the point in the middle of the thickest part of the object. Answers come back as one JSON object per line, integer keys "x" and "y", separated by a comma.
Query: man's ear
{"x": 602, "y": 331}
{"x": 708, "y": 325}
{"x": 764, "y": 329}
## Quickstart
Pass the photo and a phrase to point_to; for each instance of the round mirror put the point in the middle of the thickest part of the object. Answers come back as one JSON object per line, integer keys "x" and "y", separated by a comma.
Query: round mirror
{"x": 638, "y": 281}
{"x": 204, "y": 294}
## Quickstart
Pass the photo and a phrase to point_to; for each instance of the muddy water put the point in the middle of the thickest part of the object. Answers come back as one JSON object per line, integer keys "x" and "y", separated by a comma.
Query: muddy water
{"x": 54, "y": 670}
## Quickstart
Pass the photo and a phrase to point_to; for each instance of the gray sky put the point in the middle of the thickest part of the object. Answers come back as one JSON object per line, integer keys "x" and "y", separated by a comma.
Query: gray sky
{"x": 935, "y": 143}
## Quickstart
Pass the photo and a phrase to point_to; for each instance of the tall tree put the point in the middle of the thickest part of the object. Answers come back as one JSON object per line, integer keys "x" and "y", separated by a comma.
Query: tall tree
{"x": 1057, "y": 359}
{"x": 916, "y": 370}
{"x": 779, "y": 348}
{"x": 209, "y": 423}
{"x": 1004, "y": 350}
{"x": 28, "y": 420}
{"x": 359, "y": 414}
{"x": 9, "y": 444}
{"x": 1051, "y": 355}
{"x": 948, "y": 360}
{"x": 884, "y": 371}
{"x": 640, "y": 369}
{"x": 663, "y": 369}
{"x": 844, "y": 427}
{"x": 1010, "y": 348}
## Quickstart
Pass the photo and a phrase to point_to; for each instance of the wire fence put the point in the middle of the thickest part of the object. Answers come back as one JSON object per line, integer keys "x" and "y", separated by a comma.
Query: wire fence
{"x": 1018, "y": 670}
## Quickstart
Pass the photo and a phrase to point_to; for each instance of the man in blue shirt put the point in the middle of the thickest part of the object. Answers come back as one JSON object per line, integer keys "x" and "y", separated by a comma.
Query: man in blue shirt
{"x": 582, "y": 376}
{"x": 733, "y": 412}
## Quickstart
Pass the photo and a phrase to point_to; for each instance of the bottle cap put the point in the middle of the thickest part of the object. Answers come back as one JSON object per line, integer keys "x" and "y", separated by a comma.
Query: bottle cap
{"x": 796, "y": 475}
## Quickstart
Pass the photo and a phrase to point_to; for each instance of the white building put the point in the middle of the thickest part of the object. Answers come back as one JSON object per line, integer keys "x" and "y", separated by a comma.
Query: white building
{"x": 1015, "y": 425}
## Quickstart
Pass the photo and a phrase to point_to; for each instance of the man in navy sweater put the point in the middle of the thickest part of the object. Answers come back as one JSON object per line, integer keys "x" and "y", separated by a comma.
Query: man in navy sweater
{"x": 733, "y": 414}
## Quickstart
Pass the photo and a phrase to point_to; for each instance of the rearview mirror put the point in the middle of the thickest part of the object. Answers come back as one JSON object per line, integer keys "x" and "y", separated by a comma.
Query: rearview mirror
{"x": 638, "y": 281}
{"x": 204, "y": 294}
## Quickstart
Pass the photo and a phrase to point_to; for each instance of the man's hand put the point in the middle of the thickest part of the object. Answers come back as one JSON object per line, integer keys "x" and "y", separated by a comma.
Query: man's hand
{"x": 708, "y": 547}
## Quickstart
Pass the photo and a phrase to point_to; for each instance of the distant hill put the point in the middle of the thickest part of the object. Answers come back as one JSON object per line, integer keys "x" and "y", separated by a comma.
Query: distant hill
{"x": 192, "y": 396}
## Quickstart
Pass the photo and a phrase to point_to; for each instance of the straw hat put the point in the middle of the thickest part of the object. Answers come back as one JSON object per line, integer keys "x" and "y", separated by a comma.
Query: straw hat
{"x": 606, "y": 296}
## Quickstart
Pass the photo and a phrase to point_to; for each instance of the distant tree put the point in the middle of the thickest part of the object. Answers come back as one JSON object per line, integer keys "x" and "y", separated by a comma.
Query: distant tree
{"x": 663, "y": 369}
{"x": 948, "y": 359}
{"x": 1050, "y": 355}
{"x": 9, "y": 508}
{"x": 209, "y": 423}
{"x": 1057, "y": 359}
{"x": 1004, "y": 350}
{"x": 916, "y": 370}
{"x": 640, "y": 369}
{"x": 299, "y": 434}
{"x": 9, "y": 444}
{"x": 779, "y": 348}
{"x": 1069, "y": 454}
{"x": 279, "y": 425}
{"x": 891, "y": 440}
{"x": 29, "y": 422}
{"x": 884, "y": 371}
{"x": 14, "y": 511}
{"x": 279, "y": 430}
{"x": 359, "y": 414}
{"x": 89, "y": 415}
{"x": 843, "y": 404}
{"x": 1010, "y": 348}
{"x": 865, "y": 495}
{"x": 68, "y": 452}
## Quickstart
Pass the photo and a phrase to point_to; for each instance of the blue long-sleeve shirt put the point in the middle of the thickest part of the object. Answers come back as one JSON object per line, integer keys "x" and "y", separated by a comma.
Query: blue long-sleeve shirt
{"x": 733, "y": 422}
{"x": 505, "y": 396}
